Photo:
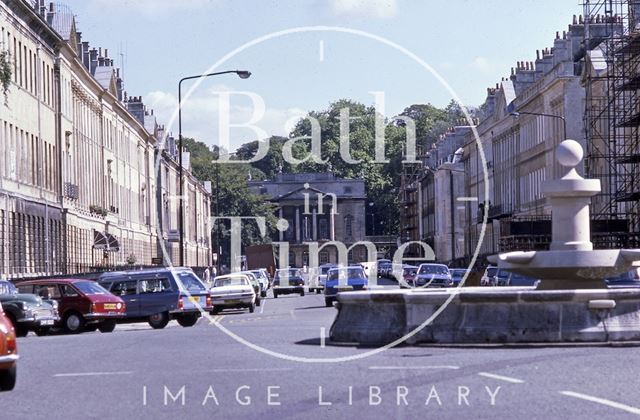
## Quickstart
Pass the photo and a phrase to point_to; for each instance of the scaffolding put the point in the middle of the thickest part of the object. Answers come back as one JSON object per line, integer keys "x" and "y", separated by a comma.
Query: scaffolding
{"x": 612, "y": 118}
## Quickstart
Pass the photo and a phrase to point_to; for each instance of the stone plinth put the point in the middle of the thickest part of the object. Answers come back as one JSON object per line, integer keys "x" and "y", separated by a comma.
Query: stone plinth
{"x": 488, "y": 316}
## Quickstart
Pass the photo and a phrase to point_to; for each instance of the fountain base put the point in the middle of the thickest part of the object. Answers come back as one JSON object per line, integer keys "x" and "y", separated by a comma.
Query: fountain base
{"x": 488, "y": 316}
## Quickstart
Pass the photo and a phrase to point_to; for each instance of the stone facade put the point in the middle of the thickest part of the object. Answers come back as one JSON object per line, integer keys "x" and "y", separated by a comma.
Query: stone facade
{"x": 78, "y": 190}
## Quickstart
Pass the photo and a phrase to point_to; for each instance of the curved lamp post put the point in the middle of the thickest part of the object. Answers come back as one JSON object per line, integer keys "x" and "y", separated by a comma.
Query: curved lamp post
{"x": 243, "y": 74}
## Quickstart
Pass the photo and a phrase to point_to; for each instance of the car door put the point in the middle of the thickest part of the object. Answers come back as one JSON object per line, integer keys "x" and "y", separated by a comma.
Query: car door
{"x": 156, "y": 294}
{"x": 72, "y": 300}
{"x": 127, "y": 290}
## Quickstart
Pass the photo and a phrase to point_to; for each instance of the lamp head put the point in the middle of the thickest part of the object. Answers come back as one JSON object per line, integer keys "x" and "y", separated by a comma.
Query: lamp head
{"x": 243, "y": 74}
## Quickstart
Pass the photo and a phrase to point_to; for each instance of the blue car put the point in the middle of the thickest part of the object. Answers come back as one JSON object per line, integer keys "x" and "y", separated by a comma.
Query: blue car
{"x": 158, "y": 295}
{"x": 343, "y": 279}
{"x": 433, "y": 275}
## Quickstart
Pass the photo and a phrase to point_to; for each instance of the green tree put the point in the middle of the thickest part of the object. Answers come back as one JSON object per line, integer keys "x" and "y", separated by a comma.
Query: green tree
{"x": 231, "y": 194}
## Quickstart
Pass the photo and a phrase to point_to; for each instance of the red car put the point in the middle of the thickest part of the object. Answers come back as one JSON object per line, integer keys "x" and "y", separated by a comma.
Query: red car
{"x": 82, "y": 304}
{"x": 8, "y": 353}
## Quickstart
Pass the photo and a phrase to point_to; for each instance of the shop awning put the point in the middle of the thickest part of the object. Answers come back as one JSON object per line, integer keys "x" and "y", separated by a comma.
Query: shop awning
{"x": 105, "y": 241}
{"x": 114, "y": 245}
{"x": 100, "y": 241}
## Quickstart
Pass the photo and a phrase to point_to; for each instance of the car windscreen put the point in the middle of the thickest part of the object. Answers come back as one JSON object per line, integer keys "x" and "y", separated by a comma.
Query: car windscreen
{"x": 349, "y": 273}
{"x": 259, "y": 274}
{"x": 325, "y": 270}
{"x": 90, "y": 288}
{"x": 491, "y": 271}
{"x": 458, "y": 273}
{"x": 433, "y": 269}
{"x": 230, "y": 281}
{"x": 7, "y": 288}
{"x": 291, "y": 273}
{"x": 190, "y": 282}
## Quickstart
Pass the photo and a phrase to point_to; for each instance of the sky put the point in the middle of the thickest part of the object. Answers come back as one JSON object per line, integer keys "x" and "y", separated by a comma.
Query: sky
{"x": 413, "y": 51}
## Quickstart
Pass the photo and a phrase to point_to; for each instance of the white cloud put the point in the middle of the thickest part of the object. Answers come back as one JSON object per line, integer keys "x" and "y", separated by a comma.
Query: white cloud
{"x": 365, "y": 8}
{"x": 200, "y": 116}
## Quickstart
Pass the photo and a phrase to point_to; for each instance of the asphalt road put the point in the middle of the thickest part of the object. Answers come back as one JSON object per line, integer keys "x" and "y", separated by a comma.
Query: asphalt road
{"x": 206, "y": 372}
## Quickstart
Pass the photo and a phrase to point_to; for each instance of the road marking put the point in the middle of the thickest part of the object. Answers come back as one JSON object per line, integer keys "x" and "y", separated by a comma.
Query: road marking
{"x": 322, "y": 337}
{"x": 262, "y": 303}
{"x": 321, "y": 51}
{"x": 467, "y": 199}
{"x": 414, "y": 367}
{"x": 461, "y": 207}
{"x": 501, "y": 378}
{"x": 602, "y": 401}
{"x": 216, "y": 319}
{"x": 249, "y": 370}
{"x": 64, "y": 375}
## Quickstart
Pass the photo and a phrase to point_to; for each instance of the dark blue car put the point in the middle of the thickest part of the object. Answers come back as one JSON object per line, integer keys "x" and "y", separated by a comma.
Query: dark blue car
{"x": 158, "y": 295}
{"x": 343, "y": 279}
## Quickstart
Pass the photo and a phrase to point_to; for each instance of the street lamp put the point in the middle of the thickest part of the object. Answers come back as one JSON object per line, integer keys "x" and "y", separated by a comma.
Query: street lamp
{"x": 373, "y": 218}
{"x": 243, "y": 74}
{"x": 516, "y": 114}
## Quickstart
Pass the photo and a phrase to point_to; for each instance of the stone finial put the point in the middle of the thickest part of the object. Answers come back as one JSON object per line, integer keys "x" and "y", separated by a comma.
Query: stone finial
{"x": 569, "y": 153}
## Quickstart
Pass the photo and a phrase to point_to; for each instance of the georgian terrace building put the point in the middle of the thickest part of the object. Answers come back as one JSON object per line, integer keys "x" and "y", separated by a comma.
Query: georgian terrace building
{"x": 520, "y": 148}
{"x": 78, "y": 185}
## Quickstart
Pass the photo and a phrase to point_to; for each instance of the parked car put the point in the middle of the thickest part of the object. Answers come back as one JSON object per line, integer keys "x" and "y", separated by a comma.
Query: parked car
{"x": 457, "y": 274}
{"x": 8, "y": 353}
{"x": 26, "y": 311}
{"x": 318, "y": 277}
{"x": 82, "y": 304}
{"x": 344, "y": 279}
{"x": 263, "y": 278}
{"x": 257, "y": 286}
{"x": 409, "y": 273}
{"x": 629, "y": 278}
{"x": 489, "y": 276}
{"x": 502, "y": 277}
{"x": 159, "y": 295}
{"x": 232, "y": 291}
{"x": 287, "y": 281}
{"x": 384, "y": 267}
{"x": 433, "y": 275}
{"x": 516, "y": 279}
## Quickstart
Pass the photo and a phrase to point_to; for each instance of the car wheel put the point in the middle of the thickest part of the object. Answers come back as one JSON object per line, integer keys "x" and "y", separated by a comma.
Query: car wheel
{"x": 302, "y": 292}
{"x": 21, "y": 331}
{"x": 41, "y": 332}
{"x": 107, "y": 326}
{"x": 258, "y": 301}
{"x": 275, "y": 295}
{"x": 328, "y": 302}
{"x": 159, "y": 321}
{"x": 252, "y": 307}
{"x": 188, "y": 320}
{"x": 263, "y": 293}
{"x": 215, "y": 311}
{"x": 8, "y": 378}
{"x": 317, "y": 291}
{"x": 73, "y": 323}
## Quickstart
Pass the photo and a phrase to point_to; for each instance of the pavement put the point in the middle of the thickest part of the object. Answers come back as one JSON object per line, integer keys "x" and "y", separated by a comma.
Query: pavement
{"x": 278, "y": 363}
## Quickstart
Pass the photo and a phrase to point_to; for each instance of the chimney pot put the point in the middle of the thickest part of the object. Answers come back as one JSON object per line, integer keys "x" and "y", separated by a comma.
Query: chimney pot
{"x": 52, "y": 7}
{"x": 106, "y": 53}
{"x": 575, "y": 20}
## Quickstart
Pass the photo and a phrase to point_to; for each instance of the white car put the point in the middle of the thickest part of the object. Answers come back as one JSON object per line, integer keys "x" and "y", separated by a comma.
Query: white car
{"x": 263, "y": 279}
{"x": 232, "y": 291}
